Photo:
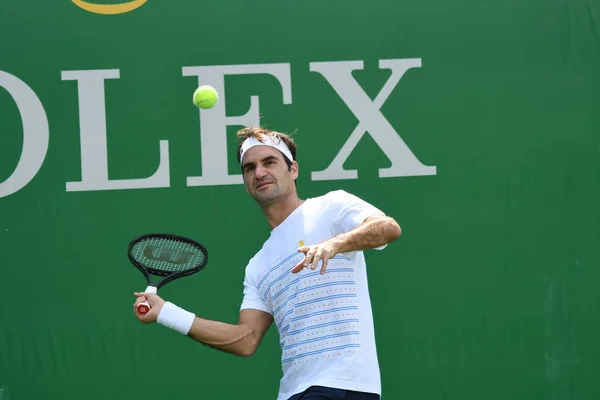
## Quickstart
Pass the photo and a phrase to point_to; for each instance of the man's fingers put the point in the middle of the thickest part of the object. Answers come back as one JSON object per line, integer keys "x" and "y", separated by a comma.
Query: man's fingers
{"x": 149, "y": 297}
{"x": 314, "y": 254}
{"x": 324, "y": 266}
{"x": 299, "y": 267}
{"x": 309, "y": 256}
{"x": 303, "y": 249}
{"x": 306, "y": 260}
{"x": 146, "y": 318}
{"x": 139, "y": 300}
{"x": 316, "y": 258}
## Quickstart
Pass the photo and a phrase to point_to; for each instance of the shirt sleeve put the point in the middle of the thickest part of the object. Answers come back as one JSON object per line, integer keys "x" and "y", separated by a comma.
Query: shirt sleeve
{"x": 349, "y": 211}
{"x": 252, "y": 298}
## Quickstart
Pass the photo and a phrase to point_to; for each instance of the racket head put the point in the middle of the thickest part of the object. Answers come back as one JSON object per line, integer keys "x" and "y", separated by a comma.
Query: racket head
{"x": 166, "y": 255}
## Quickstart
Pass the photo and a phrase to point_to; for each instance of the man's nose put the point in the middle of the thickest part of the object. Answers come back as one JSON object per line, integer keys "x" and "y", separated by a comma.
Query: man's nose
{"x": 260, "y": 172}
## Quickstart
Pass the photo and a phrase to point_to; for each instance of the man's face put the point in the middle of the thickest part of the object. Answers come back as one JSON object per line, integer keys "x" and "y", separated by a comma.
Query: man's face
{"x": 266, "y": 175}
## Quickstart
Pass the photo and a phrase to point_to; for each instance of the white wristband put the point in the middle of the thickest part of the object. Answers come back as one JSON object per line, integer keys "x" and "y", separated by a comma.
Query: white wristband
{"x": 176, "y": 318}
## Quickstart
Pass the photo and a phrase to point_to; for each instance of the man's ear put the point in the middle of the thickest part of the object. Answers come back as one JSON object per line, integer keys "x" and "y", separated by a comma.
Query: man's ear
{"x": 295, "y": 170}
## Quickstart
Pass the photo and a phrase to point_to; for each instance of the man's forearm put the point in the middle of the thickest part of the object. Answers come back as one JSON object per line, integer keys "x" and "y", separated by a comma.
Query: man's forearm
{"x": 374, "y": 232}
{"x": 235, "y": 339}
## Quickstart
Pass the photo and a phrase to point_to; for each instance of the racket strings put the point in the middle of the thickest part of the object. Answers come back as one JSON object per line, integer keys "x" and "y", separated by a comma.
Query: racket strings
{"x": 166, "y": 254}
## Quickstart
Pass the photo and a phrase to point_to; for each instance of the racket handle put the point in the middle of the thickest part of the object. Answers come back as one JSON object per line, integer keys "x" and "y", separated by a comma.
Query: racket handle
{"x": 144, "y": 307}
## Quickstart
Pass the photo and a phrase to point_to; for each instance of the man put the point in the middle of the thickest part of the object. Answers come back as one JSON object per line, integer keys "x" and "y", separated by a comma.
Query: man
{"x": 309, "y": 277}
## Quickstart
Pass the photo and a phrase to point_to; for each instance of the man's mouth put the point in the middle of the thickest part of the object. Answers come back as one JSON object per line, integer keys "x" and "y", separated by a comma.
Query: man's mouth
{"x": 263, "y": 184}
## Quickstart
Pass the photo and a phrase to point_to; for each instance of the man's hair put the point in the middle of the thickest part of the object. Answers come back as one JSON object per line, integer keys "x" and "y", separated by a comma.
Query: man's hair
{"x": 258, "y": 133}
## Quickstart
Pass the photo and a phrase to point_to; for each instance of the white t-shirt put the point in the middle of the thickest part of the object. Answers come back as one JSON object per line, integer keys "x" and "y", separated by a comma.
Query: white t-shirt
{"x": 325, "y": 321}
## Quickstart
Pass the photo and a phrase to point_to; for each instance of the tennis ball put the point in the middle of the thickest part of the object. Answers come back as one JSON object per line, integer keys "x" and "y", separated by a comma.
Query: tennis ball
{"x": 205, "y": 96}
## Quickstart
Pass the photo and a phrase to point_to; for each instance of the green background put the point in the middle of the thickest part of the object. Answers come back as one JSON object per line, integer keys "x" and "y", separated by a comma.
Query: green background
{"x": 491, "y": 292}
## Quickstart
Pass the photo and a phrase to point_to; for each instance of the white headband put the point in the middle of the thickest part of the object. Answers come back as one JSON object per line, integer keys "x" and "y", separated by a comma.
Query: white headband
{"x": 267, "y": 140}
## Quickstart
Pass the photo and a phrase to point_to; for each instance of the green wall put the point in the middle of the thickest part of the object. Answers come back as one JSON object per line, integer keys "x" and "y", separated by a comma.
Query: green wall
{"x": 484, "y": 145}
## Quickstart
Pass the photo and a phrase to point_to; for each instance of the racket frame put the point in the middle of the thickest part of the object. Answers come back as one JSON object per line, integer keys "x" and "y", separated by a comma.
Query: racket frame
{"x": 167, "y": 276}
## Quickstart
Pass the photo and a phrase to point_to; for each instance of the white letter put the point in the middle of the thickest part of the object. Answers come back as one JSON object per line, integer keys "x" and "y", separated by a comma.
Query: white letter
{"x": 92, "y": 121}
{"x": 339, "y": 76}
{"x": 36, "y": 134}
{"x": 214, "y": 121}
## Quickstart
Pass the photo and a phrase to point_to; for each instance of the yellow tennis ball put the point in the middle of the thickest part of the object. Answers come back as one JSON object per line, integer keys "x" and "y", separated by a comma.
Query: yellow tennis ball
{"x": 205, "y": 96}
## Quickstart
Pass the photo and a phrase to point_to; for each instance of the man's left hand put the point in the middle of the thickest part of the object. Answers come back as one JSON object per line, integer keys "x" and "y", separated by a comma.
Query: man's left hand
{"x": 313, "y": 254}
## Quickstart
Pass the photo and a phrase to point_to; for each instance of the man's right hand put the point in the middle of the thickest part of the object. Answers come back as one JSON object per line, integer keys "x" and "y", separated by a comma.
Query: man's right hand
{"x": 156, "y": 304}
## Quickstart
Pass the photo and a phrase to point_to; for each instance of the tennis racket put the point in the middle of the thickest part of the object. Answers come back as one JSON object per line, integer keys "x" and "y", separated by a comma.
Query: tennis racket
{"x": 165, "y": 256}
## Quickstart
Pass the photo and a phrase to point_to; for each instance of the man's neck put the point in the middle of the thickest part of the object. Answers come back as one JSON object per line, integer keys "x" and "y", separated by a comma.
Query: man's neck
{"x": 277, "y": 213}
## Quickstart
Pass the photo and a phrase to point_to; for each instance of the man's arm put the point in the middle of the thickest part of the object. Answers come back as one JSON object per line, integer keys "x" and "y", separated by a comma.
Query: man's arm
{"x": 241, "y": 339}
{"x": 374, "y": 232}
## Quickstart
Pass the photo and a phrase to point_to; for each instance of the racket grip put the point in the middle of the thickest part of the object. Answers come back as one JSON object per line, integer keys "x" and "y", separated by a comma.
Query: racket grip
{"x": 144, "y": 306}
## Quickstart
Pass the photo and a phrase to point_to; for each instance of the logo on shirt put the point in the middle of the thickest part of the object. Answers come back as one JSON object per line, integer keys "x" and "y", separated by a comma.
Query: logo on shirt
{"x": 108, "y": 9}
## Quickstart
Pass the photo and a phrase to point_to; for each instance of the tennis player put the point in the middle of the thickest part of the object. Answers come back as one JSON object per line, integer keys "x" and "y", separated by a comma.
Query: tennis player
{"x": 309, "y": 277}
